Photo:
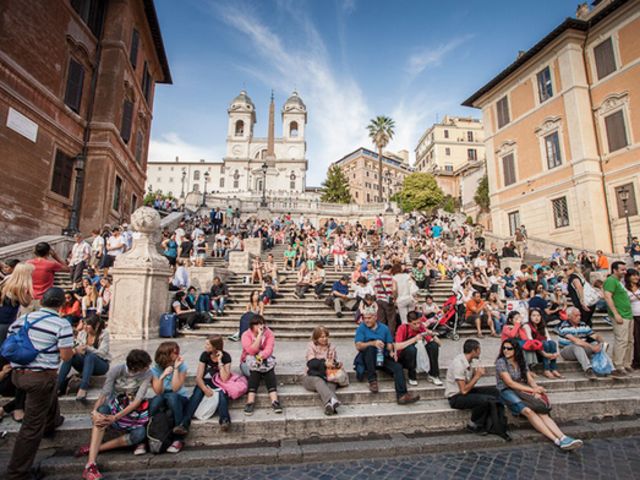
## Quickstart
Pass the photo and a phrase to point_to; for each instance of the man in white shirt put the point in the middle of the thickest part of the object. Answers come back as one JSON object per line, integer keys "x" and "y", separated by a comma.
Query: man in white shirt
{"x": 180, "y": 233}
{"x": 115, "y": 247}
{"x": 127, "y": 237}
{"x": 80, "y": 254}
{"x": 97, "y": 248}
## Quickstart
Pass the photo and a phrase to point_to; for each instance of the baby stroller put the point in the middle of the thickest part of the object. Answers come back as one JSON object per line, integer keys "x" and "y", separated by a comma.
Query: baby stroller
{"x": 446, "y": 322}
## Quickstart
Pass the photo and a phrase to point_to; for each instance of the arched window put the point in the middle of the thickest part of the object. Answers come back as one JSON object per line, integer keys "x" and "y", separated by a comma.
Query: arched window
{"x": 293, "y": 129}
{"x": 261, "y": 154}
{"x": 196, "y": 175}
{"x": 236, "y": 179}
{"x": 239, "y": 128}
{"x": 292, "y": 181}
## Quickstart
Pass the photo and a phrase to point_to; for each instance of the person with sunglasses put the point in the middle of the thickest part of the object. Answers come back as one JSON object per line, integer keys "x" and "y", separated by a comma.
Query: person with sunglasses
{"x": 519, "y": 391}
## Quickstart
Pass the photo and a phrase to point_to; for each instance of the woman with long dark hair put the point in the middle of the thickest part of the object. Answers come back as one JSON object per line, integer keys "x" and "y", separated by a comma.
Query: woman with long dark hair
{"x": 523, "y": 396}
{"x": 545, "y": 348}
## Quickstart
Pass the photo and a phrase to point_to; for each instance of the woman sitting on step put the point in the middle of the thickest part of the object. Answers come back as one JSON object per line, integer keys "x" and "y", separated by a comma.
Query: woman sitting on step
{"x": 321, "y": 355}
{"x": 90, "y": 356}
{"x": 121, "y": 406}
{"x": 258, "y": 363}
{"x": 519, "y": 391}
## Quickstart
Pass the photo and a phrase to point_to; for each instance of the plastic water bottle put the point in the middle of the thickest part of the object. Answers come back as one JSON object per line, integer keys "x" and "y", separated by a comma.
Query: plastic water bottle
{"x": 380, "y": 357}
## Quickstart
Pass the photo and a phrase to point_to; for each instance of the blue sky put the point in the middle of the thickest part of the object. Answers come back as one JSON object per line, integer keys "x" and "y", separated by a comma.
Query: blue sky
{"x": 350, "y": 60}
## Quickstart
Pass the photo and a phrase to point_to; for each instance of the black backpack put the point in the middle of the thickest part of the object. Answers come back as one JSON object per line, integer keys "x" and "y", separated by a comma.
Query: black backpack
{"x": 496, "y": 421}
{"x": 160, "y": 431}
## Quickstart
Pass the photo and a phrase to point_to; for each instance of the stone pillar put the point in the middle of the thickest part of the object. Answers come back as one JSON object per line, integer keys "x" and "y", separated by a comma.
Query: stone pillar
{"x": 240, "y": 262}
{"x": 202, "y": 277}
{"x": 253, "y": 246}
{"x": 140, "y": 282}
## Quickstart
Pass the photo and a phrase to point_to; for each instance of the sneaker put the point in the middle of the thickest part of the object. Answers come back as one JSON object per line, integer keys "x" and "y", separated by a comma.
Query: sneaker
{"x": 335, "y": 403}
{"x": 435, "y": 380}
{"x": 618, "y": 373}
{"x": 589, "y": 374}
{"x": 235, "y": 337}
{"x": 82, "y": 451}
{"x": 141, "y": 449}
{"x": 277, "y": 408}
{"x": 225, "y": 425}
{"x": 180, "y": 430}
{"x": 568, "y": 443}
{"x": 91, "y": 472}
{"x": 413, "y": 383}
{"x": 248, "y": 408}
{"x": 408, "y": 398}
{"x": 328, "y": 409}
{"x": 607, "y": 320}
{"x": 175, "y": 447}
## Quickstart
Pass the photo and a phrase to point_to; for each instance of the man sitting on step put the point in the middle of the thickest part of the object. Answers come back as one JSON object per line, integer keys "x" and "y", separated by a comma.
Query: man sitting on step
{"x": 376, "y": 351}
{"x": 339, "y": 297}
{"x": 578, "y": 342}
{"x": 463, "y": 394}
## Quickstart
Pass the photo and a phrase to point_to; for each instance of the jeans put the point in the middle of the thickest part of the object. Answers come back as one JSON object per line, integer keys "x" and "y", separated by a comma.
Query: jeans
{"x": 408, "y": 359}
{"x": 194, "y": 401}
{"x": 176, "y": 402}
{"x": 88, "y": 365}
{"x": 477, "y": 400}
{"x": 499, "y": 322}
{"x": 549, "y": 346}
{"x": 318, "y": 288}
{"x": 513, "y": 401}
{"x": 390, "y": 366}
{"x": 218, "y": 305}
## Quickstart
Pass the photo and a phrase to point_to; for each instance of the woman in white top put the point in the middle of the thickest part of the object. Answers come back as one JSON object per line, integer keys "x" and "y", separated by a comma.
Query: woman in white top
{"x": 404, "y": 290}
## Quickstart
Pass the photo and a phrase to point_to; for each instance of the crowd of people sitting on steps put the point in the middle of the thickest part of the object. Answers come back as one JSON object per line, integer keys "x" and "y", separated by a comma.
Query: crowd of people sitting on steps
{"x": 386, "y": 284}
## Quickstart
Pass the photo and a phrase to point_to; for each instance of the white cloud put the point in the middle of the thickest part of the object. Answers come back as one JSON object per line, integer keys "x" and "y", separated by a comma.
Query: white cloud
{"x": 169, "y": 146}
{"x": 338, "y": 112}
{"x": 430, "y": 56}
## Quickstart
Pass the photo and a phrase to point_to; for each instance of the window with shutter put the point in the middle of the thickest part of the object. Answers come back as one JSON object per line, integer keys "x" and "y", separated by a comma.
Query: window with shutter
{"x": 552, "y": 147}
{"x": 514, "y": 222}
{"x": 472, "y": 154}
{"x": 147, "y": 82}
{"x": 127, "y": 117}
{"x": 91, "y": 12}
{"x": 117, "y": 192}
{"x": 62, "y": 174}
{"x": 446, "y": 134}
{"x": 605, "y": 59}
{"x": 509, "y": 169}
{"x": 139, "y": 145}
{"x": 616, "y": 132}
{"x": 545, "y": 89}
{"x": 134, "y": 202}
{"x": 133, "y": 53}
{"x": 631, "y": 206}
{"x": 560, "y": 212}
{"x": 470, "y": 136}
{"x": 73, "y": 92}
{"x": 503, "y": 112}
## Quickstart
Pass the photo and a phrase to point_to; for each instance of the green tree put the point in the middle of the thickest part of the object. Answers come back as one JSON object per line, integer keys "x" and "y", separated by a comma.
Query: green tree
{"x": 421, "y": 192}
{"x": 335, "y": 188}
{"x": 381, "y": 132}
{"x": 482, "y": 194}
{"x": 449, "y": 204}
{"x": 151, "y": 196}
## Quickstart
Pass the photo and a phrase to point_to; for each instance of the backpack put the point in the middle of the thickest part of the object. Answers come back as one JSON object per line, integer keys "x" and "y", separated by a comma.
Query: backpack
{"x": 18, "y": 348}
{"x": 496, "y": 420}
{"x": 160, "y": 430}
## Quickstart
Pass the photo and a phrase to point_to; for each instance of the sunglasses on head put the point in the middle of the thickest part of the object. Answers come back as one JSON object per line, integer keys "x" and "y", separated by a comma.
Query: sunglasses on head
{"x": 507, "y": 348}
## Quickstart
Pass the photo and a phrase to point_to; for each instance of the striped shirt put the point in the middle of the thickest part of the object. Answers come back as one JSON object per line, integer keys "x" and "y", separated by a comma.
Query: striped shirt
{"x": 384, "y": 287}
{"x": 582, "y": 331}
{"x": 52, "y": 333}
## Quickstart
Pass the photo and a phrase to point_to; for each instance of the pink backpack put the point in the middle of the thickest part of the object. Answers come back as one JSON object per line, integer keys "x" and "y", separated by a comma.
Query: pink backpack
{"x": 235, "y": 387}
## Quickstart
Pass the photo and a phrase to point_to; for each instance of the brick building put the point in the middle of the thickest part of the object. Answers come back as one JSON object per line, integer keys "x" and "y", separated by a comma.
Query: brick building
{"x": 361, "y": 169}
{"x": 77, "y": 80}
{"x": 562, "y": 131}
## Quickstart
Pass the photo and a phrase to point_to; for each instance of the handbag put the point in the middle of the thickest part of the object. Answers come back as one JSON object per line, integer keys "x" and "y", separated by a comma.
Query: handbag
{"x": 235, "y": 387}
{"x": 539, "y": 405}
{"x": 532, "y": 345}
{"x": 337, "y": 376}
{"x": 208, "y": 406}
{"x": 138, "y": 418}
{"x": 262, "y": 366}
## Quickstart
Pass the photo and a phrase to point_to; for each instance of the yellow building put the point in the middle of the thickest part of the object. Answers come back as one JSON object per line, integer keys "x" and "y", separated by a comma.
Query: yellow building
{"x": 361, "y": 169}
{"x": 562, "y": 126}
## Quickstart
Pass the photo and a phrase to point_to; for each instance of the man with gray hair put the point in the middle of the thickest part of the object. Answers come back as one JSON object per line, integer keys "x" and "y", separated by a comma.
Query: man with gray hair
{"x": 578, "y": 342}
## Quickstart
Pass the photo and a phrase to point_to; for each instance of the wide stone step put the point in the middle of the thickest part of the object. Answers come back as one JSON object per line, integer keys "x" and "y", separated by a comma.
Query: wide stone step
{"x": 359, "y": 420}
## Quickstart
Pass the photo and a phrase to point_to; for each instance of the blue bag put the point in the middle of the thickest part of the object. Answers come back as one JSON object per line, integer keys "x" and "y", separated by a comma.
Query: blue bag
{"x": 601, "y": 363}
{"x": 168, "y": 325}
{"x": 18, "y": 348}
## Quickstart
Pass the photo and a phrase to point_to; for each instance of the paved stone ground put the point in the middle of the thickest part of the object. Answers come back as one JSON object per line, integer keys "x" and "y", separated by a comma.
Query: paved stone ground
{"x": 608, "y": 458}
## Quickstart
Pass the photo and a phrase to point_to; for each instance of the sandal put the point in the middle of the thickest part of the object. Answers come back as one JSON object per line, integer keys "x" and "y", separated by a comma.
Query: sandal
{"x": 548, "y": 374}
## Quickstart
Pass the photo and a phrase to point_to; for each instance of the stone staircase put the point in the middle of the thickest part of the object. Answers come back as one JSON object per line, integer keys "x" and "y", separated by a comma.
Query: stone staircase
{"x": 362, "y": 416}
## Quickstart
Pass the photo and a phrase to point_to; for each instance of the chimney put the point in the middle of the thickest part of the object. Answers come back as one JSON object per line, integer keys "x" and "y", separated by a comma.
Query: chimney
{"x": 582, "y": 12}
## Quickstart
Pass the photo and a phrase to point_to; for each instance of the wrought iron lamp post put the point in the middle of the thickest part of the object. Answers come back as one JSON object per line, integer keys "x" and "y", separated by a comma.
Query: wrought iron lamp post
{"x": 388, "y": 175}
{"x": 624, "y": 196}
{"x": 184, "y": 177}
{"x": 204, "y": 193}
{"x": 265, "y": 167}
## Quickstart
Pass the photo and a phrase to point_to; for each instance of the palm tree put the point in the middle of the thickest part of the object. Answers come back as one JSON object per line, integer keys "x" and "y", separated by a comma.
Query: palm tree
{"x": 381, "y": 132}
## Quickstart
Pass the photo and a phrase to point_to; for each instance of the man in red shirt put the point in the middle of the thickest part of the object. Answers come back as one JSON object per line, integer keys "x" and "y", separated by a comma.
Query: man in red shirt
{"x": 479, "y": 312}
{"x": 408, "y": 340}
{"x": 44, "y": 272}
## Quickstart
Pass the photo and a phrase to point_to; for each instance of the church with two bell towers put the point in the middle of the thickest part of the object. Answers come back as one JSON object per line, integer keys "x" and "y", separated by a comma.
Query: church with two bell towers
{"x": 251, "y": 164}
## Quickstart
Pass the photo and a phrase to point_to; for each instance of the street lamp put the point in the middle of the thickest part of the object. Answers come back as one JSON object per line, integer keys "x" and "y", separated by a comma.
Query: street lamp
{"x": 184, "y": 177}
{"x": 388, "y": 175}
{"x": 624, "y": 196}
{"x": 264, "y": 184}
{"x": 204, "y": 193}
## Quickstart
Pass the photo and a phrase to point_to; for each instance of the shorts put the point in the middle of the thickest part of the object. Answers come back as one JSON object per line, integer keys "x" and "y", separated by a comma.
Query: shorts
{"x": 513, "y": 401}
{"x": 133, "y": 437}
